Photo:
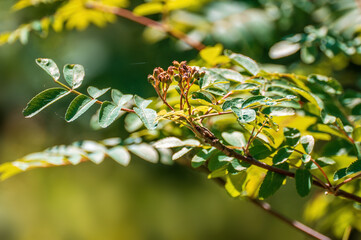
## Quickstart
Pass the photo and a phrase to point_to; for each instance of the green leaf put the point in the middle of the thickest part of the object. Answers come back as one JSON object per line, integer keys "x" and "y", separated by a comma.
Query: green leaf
{"x": 235, "y": 183}
{"x": 145, "y": 151}
{"x": 327, "y": 129}
{"x": 245, "y": 62}
{"x": 355, "y": 167}
{"x": 119, "y": 98}
{"x": 272, "y": 182}
{"x": 95, "y": 92}
{"x": 303, "y": 179}
{"x": 260, "y": 150}
{"x": 279, "y": 111}
{"x": 148, "y": 116}
{"x": 181, "y": 153}
{"x": 220, "y": 172}
{"x": 253, "y": 100}
{"x": 282, "y": 155}
{"x": 312, "y": 98}
{"x": 308, "y": 142}
{"x": 49, "y": 66}
{"x": 356, "y": 134}
{"x": 74, "y": 75}
{"x": 244, "y": 115}
{"x": 234, "y": 102}
{"x": 292, "y": 136}
{"x": 228, "y": 74}
{"x": 202, "y": 156}
{"x": 43, "y": 100}
{"x": 78, "y": 106}
{"x": 218, "y": 161}
{"x": 340, "y": 174}
{"x": 109, "y": 112}
{"x": 120, "y": 155}
{"x": 322, "y": 161}
{"x": 235, "y": 138}
{"x": 203, "y": 95}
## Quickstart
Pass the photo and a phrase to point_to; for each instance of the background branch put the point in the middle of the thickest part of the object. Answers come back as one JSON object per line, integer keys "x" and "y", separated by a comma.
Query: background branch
{"x": 124, "y": 13}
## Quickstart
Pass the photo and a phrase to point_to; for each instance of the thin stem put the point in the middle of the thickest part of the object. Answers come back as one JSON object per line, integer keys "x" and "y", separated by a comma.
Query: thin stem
{"x": 347, "y": 181}
{"x": 214, "y": 114}
{"x": 209, "y": 138}
{"x": 124, "y": 13}
{"x": 320, "y": 168}
{"x": 252, "y": 138}
{"x": 267, "y": 207}
{"x": 79, "y": 93}
{"x": 296, "y": 224}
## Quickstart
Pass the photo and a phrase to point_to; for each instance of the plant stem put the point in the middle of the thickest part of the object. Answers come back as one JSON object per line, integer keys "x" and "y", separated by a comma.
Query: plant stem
{"x": 124, "y": 13}
{"x": 267, "y": 207}
{"x": 347, "y": 181}
{"x": 79, "y": 93}
{"x": 209, "y": 138}
{"x": 296, "y": 224}
{"x": 319, "y": 167}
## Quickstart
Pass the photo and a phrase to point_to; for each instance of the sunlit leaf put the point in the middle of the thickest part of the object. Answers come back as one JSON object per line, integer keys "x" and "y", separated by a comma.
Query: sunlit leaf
{"x": 308, "y": 143}
{"x": 74, "y": 75}
{"x": 49, "y": 66}
{"x": 245, "y": 62}
{"x": 147, "y": 115}
{"x": 120, "y": 155}
{"x": 244, "y": 115}
{"x": 43, "y": 100}
{"x": 78, "y": 106}
{"x": 109, "y": 112}
{"x": 95, "y": 92}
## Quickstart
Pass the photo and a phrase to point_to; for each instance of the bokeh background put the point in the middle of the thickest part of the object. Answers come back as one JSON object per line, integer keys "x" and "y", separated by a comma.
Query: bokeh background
{"x": 142, "y": 201}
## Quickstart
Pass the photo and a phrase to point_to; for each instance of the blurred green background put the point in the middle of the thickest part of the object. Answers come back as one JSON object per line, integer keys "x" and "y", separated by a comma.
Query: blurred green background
{"x": 142, "y": 201}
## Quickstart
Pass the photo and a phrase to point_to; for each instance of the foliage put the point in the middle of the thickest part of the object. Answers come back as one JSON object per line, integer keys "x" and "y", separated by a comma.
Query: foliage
{"x": 255, "y": 128}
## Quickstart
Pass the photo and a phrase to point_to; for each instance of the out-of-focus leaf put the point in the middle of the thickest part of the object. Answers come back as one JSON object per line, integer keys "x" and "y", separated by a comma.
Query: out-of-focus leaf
{"x": 144, "y": 151}
{"x": 201, "y": 157}
{"x": 120, "y": 155}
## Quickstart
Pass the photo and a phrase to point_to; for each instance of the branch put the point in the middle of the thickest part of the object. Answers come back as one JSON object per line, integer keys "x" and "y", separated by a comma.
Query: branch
{"x": 209, "y": 138}
{"x": 296, "y": 224}
{"x": 267, "y": 207}
{"x": 124, "y": 13}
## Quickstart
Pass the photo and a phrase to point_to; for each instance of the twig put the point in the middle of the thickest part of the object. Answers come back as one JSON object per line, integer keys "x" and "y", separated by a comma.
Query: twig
{"x": 146, "y": 22}
{"x": 347, "y": 181}
{"x": 267, "y": 207}
{"x": 209, "y": 138}
{"x": 296, "y": 224}
{"x": 79, "y": 93}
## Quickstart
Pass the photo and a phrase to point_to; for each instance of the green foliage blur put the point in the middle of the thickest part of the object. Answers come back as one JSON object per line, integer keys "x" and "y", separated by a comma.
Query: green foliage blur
{"x": 142, "y": 201}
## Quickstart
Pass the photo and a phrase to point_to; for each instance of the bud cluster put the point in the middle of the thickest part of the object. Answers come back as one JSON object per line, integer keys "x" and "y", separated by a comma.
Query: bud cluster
{"x": 181, "y": 73}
